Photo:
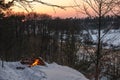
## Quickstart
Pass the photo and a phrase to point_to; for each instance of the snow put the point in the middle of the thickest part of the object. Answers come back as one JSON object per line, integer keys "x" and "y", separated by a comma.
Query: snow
{"x": 50, "y": 72}
{"x": 111, "y": 38}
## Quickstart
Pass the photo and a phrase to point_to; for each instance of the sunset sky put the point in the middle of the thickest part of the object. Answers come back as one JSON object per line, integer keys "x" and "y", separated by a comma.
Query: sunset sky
{"x": 55, "y": 12}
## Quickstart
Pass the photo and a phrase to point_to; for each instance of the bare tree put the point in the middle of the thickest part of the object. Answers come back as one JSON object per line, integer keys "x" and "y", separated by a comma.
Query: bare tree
{"x": 99, "y": 9}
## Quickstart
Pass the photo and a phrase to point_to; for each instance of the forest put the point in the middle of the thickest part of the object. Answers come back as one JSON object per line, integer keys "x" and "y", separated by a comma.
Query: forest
{"x": 58, "y": 40}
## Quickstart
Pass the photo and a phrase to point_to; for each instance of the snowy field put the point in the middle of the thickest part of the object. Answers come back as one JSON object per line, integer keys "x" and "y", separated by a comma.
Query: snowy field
{"x": 50, "y": 72}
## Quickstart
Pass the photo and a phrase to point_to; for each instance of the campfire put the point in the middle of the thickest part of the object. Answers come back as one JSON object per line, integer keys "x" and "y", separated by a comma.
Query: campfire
{"x": 36, "y": 62}
{"x": 33, "y": 62}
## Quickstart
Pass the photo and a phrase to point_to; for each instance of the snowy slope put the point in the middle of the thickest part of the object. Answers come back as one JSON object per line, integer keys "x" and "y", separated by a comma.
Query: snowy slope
{"x": 112, "y": 37}
{"x": 50, "y": 72}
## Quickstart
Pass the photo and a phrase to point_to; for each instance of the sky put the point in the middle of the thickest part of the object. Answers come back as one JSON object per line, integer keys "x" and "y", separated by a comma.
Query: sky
{"x": 53, "y": 11}
{"x": 57, "y": 12}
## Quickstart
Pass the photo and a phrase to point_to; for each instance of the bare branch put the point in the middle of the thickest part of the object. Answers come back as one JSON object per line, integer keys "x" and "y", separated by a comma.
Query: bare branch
{"x": 86, "y": 10}
{"x": 106, "y": 32}
{"x": 27, "y": 4}
{"x": 90, "y": 3}
{"x": 44, "y": 3}
{"x": 4, "y": 5}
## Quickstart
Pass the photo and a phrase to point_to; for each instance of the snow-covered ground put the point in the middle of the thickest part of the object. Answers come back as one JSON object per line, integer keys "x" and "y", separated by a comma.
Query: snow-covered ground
{"x": 50, "y": 72}
{"x": 111, "y": 38}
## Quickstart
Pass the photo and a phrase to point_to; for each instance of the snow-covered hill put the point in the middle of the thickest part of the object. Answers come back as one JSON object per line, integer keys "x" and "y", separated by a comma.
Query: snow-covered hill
{"x": 50, "y": 72}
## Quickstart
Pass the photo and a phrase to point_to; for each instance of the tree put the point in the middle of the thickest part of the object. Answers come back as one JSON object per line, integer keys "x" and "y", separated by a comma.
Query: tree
{"x": 4, "y": 5}
{"x": 1, "y": 19}
{"x": 99, "y": 9}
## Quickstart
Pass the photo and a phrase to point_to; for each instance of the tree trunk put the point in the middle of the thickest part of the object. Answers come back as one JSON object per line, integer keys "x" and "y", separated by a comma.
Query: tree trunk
{"x": 97, "y": 72}
{"x": 98, "y": 53}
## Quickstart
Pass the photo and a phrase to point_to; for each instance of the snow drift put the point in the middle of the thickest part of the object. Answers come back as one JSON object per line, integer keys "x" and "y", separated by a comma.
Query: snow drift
{"x": 50, "y": 72}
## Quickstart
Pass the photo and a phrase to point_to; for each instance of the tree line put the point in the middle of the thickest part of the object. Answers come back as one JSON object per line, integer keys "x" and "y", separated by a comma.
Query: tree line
{"x": 54, "y": 39}
{"x": 23, "y": 36}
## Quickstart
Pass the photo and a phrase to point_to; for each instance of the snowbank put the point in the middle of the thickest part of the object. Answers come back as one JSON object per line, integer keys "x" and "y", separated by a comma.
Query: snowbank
{"x": 51, "y": 72}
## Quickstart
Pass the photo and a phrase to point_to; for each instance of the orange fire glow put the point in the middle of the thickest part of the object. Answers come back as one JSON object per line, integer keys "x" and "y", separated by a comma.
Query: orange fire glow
{"x": 36, "y": 62}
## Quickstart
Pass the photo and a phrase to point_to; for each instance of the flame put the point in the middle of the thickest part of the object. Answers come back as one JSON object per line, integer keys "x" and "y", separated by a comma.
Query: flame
{"x": 36, "y": 62}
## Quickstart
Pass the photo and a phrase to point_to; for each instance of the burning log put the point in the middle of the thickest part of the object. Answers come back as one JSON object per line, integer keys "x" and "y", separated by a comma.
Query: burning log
{"x": 38, "y": 61}
{"x": 33, "y": 62}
